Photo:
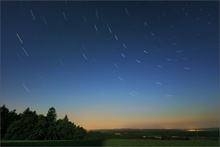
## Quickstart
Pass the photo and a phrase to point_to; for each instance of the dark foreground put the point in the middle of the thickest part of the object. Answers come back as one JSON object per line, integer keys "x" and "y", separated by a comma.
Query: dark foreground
{"x": 112, "y": 142}
{"x": 52, "y": 143}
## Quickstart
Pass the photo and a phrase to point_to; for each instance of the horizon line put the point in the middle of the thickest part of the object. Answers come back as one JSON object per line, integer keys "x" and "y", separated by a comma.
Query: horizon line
{"x": 157, "y": 128}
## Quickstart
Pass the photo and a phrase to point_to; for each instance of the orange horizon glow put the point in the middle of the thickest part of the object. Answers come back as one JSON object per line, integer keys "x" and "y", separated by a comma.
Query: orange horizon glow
{"x": 117, "y": 119}
{"x": 167, "y": 119}
{"x": 148, "y": 124}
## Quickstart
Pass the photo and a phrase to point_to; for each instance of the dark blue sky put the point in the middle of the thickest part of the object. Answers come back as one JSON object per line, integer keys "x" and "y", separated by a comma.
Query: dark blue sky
{"x": 113, "y": 64}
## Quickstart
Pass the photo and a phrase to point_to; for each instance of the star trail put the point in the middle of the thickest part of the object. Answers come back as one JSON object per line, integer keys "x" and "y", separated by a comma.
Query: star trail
{"x": 113, "y": 64}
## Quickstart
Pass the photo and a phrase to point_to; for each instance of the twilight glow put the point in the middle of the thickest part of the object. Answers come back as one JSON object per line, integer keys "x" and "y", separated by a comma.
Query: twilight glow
{"x": 113, "y": 64}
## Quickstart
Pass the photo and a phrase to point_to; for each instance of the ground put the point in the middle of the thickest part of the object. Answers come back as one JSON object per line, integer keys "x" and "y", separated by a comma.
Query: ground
{"x": 113, "y": 142}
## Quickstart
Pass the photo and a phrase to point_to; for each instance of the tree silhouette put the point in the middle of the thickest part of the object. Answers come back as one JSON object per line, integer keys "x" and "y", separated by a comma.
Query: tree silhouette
{"x": 66, "y": 128}
{"x": 30, "y": 126}
{"x": 41, "y": 128}
{"x": 52, "y": 132}
{"x": 80, "y": 133}
{"x": 7, "y": 118}
{"x": 24, "y": 127}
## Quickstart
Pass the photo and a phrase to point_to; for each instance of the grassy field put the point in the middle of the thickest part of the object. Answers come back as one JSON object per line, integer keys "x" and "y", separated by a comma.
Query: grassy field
{"x": 113, "y": 142}
{"x": 137, "y": 142}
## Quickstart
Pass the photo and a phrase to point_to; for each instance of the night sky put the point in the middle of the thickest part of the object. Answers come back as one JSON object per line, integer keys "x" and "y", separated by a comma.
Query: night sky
{"x": 113, "y": 64}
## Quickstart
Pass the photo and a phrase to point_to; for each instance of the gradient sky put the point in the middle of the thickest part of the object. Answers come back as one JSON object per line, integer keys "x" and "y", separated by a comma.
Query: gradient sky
{"x": 113, "y": 64}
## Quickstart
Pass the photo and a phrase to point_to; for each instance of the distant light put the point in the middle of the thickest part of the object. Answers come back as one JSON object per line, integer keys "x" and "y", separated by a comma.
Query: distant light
{"x": 194, "y": 130}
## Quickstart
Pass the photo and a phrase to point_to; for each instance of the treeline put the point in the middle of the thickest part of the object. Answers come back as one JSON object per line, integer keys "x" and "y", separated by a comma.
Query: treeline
{"x": 31, "y": 126}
